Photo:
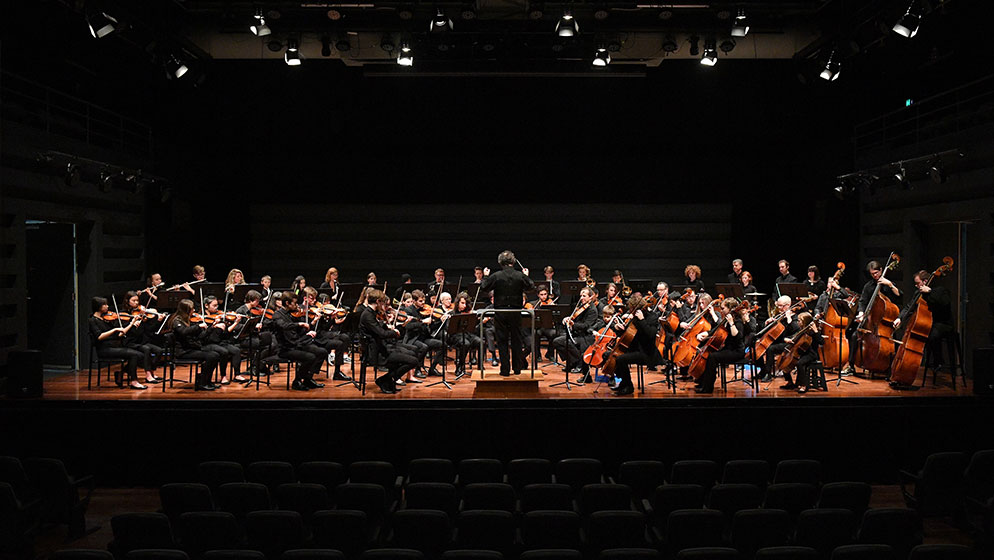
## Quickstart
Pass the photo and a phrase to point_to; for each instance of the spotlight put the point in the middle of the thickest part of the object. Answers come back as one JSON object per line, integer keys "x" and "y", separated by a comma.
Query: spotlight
{"x": 101, "y": 24}
{"x": 710, "y": 55}
{"x": 669, "y": 44}
{"x": 902, "y": 177}
{"x": 440, "y": 23}
{"x": 175, "y": 68}
{"x": 740, "y": 27}
{"x": 726, "y": 46}
{"x": 106, "y": 181}
{"x": 602, "y": 57}
{"x": 387, "y": 44}
{"x": 937, "y": 173}
{"x": 832, "y": 69}
{"x": 333, "y": 14}
{"x": 907, "y": 26}
{"x": 72, "y": 175}
{"x": 694, "y": 48}
{"x": 405, "y": 56}
{"x": 292, "y": 54}
{"x": 259, "y": 28}
{"x": 567, "y": 26}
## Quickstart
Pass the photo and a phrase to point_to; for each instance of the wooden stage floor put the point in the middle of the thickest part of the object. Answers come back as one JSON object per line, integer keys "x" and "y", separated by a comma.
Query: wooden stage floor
{"x": 72, "y": 387}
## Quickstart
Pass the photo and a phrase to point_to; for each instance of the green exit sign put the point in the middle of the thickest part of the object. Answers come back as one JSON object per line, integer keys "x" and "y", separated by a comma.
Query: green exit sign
{"x": 908, "y": 102}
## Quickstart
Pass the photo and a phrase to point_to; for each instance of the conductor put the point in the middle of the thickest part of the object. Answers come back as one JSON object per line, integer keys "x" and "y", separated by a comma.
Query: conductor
{"x": 508, "y": 286}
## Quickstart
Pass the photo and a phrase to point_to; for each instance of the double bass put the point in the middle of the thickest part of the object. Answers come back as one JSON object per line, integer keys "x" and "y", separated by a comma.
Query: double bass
{"x": 875, "y": 331}
{"x": 908, "y": 358}
{"x": 834, "y": 353}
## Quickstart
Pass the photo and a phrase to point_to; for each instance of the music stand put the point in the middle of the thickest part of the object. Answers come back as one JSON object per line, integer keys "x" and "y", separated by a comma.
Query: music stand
{"x": 248, "y": 330}
{"x": 471, "y": 290}
{"x": 571, "y": 288}
{"x": 349, "y": 325}
{"x": 351, "y": 293}
{"x": 844, "y": 310}
{"x": 559, "y": 311}
{"x": 330, "y": 292}
{"x": 795, "y": 291}
{"x": 730, "y": 290}
{"x": 215, "y": 289}
{"x": 458, "y": 324}
{"x": 238, "y": 296}
{"x": 169, "y": 301}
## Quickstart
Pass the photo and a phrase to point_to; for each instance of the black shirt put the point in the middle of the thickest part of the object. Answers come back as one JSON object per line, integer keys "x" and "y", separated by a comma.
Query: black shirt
{"x": 939, "y": 303}
{"x": 98, "y": 327}
{"x": 508, "y": 286}
{"x": 374, "y": 330}
{"x": 816, "y": 287}
{"x": 734, "y": 278}
{"x": 867, "y": 293}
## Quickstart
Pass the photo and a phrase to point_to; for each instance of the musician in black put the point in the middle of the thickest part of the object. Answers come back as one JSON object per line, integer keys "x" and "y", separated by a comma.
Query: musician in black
{"x": 296, "y": 340}
{"x": 418, "y": 333}
{"x": 808, "y": 357}
{"x": 832, "y": 291}
{"x": 142, "y": 335}
{"x": 259, "y": 342}
{"x": 327, "y": 337}
{"x": 734, "y": 277}
{"x": 218, "y": 338}
{"x": 939, "y": 302}
{"x": 398, "y": 360}
{"x": 109, "y": 338}
{"x": 189, "y": 344}
{"x": 540, "y": 333}
{"x": 509, "y": 287}
{"x": 267, "y": 290}
{"x": 745, "y": 279}
{"x": 785, "y": 276}
{"x": 641, "y": 350}
{"x": 464, "y": 342}
{"x": 786, "y": 316}
{"x": 553, "y": 283}
{"x": 436, "y": 285}
{"x": 579, "y": 333}
{"x": 887, "y": 288}
{"x": 692, "y": 278}
{"x": 733, "y": 349}
{"x": 331, "y": 283}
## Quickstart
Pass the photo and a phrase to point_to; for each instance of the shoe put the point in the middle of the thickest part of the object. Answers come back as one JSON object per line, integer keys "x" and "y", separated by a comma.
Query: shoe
{"x": 298, "y": 385}
{"x": 495, "y": 362}
{"x": 788, "y": 386}
{"x": 205, "y": 387}
{"x": 225, "y": 381}
{"x": 517, "y": 372}
{"x": 846, "y": 371}
{"x": 585, "y": 379}
{"x": 434, "y": 373}
{"x": 400, "y": 383}
{"x": 652, "y": 368}
{"x": 766, "y": 378}
{"x": 505, "y": 374}
{"x": 216, "y": 385}
{"x": 154, "y": 380}
{"x": 421, "y": 375}
{"x": 549, "y": 358}
{"x": 802, "y": 390}
{"x": 703, "y": 391}
{"x": 340, "y": 376}
{"x": 414, "y": 380}
{"x": 242, "y": 378}
{"x": 311, "y": 384}
{"x": 625, "y": 390}
{"x": 138, "y": 387}
{"x": 576, "y": 369}
{"x": 276, "y": 367}
{"x": 381, "y": 382}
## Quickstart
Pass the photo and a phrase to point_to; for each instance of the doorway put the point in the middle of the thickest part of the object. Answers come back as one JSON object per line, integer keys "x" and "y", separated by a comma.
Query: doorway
{"x": 52, "y": 311}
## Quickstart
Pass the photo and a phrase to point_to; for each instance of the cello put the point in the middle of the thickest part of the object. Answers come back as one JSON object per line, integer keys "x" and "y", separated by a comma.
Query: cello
{"x": 686, "y": 344}
{"x": 875, "y": 331}
{"x": 799, "y": 344}
{"x": 624, "y": 340}
{"x": 715, "y": 342}
{"x": 908, "y": 358}
{"x": 834, "y": 353}
{"x": 771, "y": 333}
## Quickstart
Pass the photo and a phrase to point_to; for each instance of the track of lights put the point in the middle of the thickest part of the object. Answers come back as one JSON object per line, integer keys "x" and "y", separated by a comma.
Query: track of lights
{"x": 567, "y": 26}
{"x": 292, "y": 54}
{"x": 259, "y": 28}
{"x": 440, "y": 22}
{"x": 601, "y": 57}
{"x": 907, "y": 26}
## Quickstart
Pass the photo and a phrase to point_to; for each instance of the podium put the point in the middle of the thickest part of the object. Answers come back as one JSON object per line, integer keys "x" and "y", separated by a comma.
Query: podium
{"x": 492, "y": 384}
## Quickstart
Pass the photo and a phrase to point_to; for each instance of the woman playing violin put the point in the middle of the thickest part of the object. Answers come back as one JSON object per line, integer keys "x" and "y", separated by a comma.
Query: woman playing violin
{"x": 189, "y": 344}
{"x": 611, "y": 296}
{"x": 139, "y": 336}
{"x": 108, "y": 333}
{"x": 260, "y": 344}
{"x": 219, "y": 338}
{"x": 328, "y": 337}
{"x": 417, "y": 333}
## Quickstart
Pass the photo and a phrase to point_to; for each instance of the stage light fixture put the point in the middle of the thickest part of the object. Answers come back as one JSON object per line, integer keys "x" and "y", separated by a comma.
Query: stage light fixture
{"x": 72, "y": 175}
{"x": 694, "y": 48}
{"x": 440, "y": 22}
{"x": 669, "y": 44}
{"x": 740, "y": 27}
{"x": 405, "y": 56}
{"x": 937, "y": 173}
{"x": 535, "y": 12}
{"x": 175, "y": 68}
{"x": 101, "y": 24}
{"x": 710, "y": 55}
{"x": 259, "y": 28}
{"x": 292, "y": 54}
{"x": 831, "y": 70}
{"x": 602, "y": 57}
{"x": 907, "y": 26}
{"x": 902, "y": 178}
{"x": 106, "y": 181}
{"x": 567, "y": 26}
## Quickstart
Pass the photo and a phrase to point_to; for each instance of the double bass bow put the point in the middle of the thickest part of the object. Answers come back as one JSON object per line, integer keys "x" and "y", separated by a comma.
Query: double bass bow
{"x": 908, "y": 357}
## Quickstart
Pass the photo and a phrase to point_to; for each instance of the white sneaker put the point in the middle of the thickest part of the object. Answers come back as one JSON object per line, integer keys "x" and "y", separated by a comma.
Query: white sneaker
{"x": 331, "y": 358}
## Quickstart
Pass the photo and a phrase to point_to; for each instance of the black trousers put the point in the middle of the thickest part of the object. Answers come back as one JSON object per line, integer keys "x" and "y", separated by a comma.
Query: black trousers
{"x": 147, "y": 350}
{"x": 211, "y": 360}
{"x": 621, "y": 363}
{"x": 802, "y": 369}
{"x": 399, "y": 361}
{"x": 308, "y": 358}
{"x": 120, "y": 352}
{"x": 261, "y": 345}
{"x": 507, "y": 331}
{"x": 770, "y": 357}
{"x": 339, "y": 342}
{"x": 547, "y": 334}
{"x": 724, "y": 356}
{"x": 572, "y": 353}
{"x": 464, "y": 343}
{"x": 230, "y": 354}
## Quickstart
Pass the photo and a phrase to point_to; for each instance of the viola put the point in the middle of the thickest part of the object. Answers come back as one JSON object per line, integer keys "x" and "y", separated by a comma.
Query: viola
{"x": 110, "y": 316}
{"x": 196, "y": 317}
{"x": 908, "y": 357}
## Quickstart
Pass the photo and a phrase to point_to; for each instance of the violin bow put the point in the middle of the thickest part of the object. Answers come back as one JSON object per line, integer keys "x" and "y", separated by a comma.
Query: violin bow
{"x": 116, "y": 310}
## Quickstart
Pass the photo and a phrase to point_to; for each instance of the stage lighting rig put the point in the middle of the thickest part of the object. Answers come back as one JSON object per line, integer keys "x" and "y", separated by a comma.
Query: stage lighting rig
{"x": 740, "y": 27}
{"x": 567, "y": 26}
{"x": 405, "y": 56}
{"x": 175, "y": 68}
{"x": 259, "y": 28}
{"x": 907, "y": 26}
{"x": 832, "y": 69}
{"x": 440, "y": 23}
{"x": 602, "y": 57}
{"x": 101, "y": 24}
{"x": 710, "y": 55}
{"x": 292, "y": 54}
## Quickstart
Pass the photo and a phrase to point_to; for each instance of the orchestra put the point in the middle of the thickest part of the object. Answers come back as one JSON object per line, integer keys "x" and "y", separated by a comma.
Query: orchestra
{"x": 599, "y": 340}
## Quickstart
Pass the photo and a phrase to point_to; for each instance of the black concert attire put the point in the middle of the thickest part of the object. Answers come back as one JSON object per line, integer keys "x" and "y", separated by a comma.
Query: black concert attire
{"x": 939, "y": 302}
{"x": 731, "y": 352}
{"x": 433, "y": 289}
{"x": 295, "y": 345}
{"x": 398, "y": 360}
{"x": 114, "y": 348}
{"x": 333, "y": 296}
{"x": 769, "y": 365}
{"x": 140, "y": 338}
{"x": 864, "y": 300}
{"x": 822, "y": 303}
{"x": 189, "y": 345}
{"x": 259, "y": 341}
{"x": 750, "y": 289}
{"x": 583, "y": 329}
{"x": 219, "y": 340}
{"x": 734, "y": 278}
{"x": 489, "y": 336}
{"x": 697, "y": 285}
{"x": 783, "y": 279}
{"x": 805, "y": 360}
{"x": 547, "y": 334}
{"x": 508, "y": 286}
{"x": 556, "y": 290}
{"x": 642, "y": 350}
{"x": 464, "y": 343}
{"x": 328, "y": 338}
{"x": 817, "y": 287}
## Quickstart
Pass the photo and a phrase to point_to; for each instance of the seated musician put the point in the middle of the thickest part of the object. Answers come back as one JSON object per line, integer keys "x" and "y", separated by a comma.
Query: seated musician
{"x": 152, "y": 284}
{"x": 733, "y": 349}
{"x": 297, "y": 287}
{"x": 259, "y": 342}
{"x": 809, "y": 356}
{"x": 328, "y": 338}
{"x": 189, "y": 344}
{"x": 789, "y": 319}
{"x": 642, "y": 349}
{"x": 549, "y": 273}
{"x": 397, "y": 360}
{"x": 887, "y": 288}
{"x": 418, "y": 333}
{"x": 540, "y": 333}
{"x": 939, "y": 301}
{"x": 218, "y": 338}
{"x": 611, "y": 296}
{"x": 583, "y": 273}
{"x": 832, "y": 291}
{"x": 571, "y": 346}
{"x": 296, "y": 342}
{"x": 142, "y": 335}
{"x": 464, "y": 343}
{"x": 109, "y": 338}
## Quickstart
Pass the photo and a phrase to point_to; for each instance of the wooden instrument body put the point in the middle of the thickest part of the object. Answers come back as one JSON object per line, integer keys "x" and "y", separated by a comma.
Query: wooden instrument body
{"x": 624, "y": 341}
{"x": 714, "y": 343}
{"x": 604, "y": 342}
{"x": 908, "y": 357}
{"x": 686, "y": 349}
{"x": 769, "y": 338}
{"x": 877, "y": 346}
{"x": 834, "y": 353}
{"x": 788, "y": 359}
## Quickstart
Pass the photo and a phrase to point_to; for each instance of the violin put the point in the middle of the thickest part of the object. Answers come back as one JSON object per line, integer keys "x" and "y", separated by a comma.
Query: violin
{"x": 264, "y": 312}
{"x": 110, "y": 316}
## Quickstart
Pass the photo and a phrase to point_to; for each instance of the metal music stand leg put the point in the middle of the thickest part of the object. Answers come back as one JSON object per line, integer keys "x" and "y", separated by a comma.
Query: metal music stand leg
{"x": 840, "y": 379}
{"x": 445, "y": 356}
{"x": 565, "y": 375}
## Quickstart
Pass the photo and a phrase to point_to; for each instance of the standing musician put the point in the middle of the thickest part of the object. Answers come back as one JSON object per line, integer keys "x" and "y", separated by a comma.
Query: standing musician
{"x": 437, "y": 284}
{"x": 785, "y": 276}
{"x": 583, "y": 273}
{"x": 218, "y": 338}
{"x": 296, "y": 341}
{"x": 297, "y": 287}
{"x": 789, "y": 319}
{"x": 235, "y": 277}
{"x": 735, "y": 276}
{"x": 813, "y": 282}
{"x": 153, "y": 283}
{"x": 809, "y": 356}
{"x": 939, "y": 302}
{"x": 477, "y": 274}
{"x": 463, "y": 342}
{"x": 189, "y": 345}
{"x": 692, "y": 277}
{"x": 745, "y": 278}
{"x": 372, "y": 324}
{"x": 887, "y": 288}
{"x": 734, "y": 347}
{"x": 553, "y": 283}
{"x": 264, "y": 346}
{"x": 642, "y": 349}
{"x": 109, "y": 338}
{"x": 140, "y": 334}
{"x": 331, "y": 282}
{"x": 540, "y": 333}
{"x": 580, "y": 325}
{"x": 266, "y": 282}
{"x": 509, "y": 287}
{"x": 327, "y": 337}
